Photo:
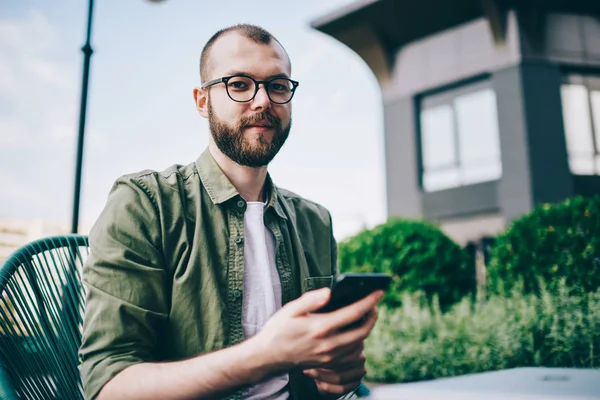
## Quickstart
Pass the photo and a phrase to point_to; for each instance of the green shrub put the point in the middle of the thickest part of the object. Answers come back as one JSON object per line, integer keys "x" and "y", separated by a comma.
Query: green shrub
{"x": 418, "y": 255}
{"x": 416, "y": 342}
{"x": 549, "y": 243}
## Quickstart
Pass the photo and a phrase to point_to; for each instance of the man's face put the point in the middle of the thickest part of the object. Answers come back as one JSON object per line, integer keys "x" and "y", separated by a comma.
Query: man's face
{"x": 249, "y": 133}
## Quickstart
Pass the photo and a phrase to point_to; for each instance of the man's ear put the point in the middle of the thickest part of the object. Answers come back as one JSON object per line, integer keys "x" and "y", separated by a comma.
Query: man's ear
{"x": 201, "y": 100}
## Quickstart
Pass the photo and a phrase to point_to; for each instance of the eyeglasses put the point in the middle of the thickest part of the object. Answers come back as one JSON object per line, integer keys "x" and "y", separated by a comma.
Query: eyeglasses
{"x": 242, "y": 88}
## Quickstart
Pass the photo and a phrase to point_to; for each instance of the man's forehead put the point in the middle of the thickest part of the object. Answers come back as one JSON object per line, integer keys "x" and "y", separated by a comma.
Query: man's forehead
{"x": 233, "y": 51}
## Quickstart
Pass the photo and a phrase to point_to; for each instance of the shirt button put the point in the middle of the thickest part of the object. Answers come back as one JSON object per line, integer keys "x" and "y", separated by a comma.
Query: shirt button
{"x": 239, "y": 239}
{"x": 237, "y": 294}
{"x": 241, "y": 204}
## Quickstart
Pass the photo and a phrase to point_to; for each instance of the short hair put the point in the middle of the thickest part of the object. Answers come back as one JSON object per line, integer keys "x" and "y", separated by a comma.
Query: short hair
{"x": 252, "y": 32}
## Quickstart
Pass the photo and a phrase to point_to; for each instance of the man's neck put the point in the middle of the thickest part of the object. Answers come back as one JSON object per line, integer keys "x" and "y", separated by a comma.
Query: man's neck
{"x": 248, "y": 181}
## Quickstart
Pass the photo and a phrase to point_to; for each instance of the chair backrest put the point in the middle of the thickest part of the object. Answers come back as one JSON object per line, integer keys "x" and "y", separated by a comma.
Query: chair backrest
{"x": 41, "y": 314}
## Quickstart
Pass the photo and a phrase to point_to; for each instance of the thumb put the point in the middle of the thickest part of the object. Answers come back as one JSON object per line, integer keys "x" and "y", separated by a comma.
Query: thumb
{"x": 309, "y": 302}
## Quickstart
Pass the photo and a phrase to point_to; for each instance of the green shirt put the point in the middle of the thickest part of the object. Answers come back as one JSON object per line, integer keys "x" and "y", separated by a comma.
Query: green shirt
{"x": 165, "y": 274}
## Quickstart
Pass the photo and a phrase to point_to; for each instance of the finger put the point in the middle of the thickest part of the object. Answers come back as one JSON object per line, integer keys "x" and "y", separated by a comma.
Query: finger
{"x": 338, "y": 377}
{"x": 345, "y": 357}
{"x": 309, "y": 302}
{"x": 347, "y": 361}
{"x": 340, "y": 353}
{"x": 355, "y": 364}
{"x": 358, "y": 334}
{"x": 354, "y": 312}
{"x": 353, "y": 360}
{"x": 338, "y": 390}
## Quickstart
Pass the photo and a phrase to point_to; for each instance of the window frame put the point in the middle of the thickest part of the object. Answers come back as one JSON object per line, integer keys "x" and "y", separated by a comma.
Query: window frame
{"x": 591, "y": 81}
{"x": 445, "y": 95}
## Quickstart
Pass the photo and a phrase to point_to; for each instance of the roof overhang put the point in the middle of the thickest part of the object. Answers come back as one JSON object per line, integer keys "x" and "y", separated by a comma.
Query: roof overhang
{"x": 377, "y": 29}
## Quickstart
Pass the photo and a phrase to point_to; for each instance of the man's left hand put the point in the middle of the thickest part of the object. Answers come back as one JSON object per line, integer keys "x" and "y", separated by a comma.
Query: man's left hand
{"x": 341, "y": 379}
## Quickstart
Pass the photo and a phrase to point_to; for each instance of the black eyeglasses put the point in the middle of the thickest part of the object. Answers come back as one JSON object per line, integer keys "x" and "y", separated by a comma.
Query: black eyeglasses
{"x": 242, "y": 88}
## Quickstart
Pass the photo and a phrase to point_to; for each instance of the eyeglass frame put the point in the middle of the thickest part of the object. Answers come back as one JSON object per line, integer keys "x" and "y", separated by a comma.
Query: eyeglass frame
{"x": 226, "y": 79}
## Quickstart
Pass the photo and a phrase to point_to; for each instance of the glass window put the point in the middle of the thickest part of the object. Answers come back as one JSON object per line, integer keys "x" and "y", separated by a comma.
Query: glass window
{"x": 581, "y": 116}
{"x": 460, "y": 141}
{"x": 439, "y": 157}
{"x": 595, "y": 103}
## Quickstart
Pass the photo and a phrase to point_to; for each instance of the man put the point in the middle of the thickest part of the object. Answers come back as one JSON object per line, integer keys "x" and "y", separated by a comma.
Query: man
{"x": 203, "y": 279}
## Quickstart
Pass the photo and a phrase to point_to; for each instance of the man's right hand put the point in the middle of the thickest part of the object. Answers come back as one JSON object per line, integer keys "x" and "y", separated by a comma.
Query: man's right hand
{"x": 298, "y": 338}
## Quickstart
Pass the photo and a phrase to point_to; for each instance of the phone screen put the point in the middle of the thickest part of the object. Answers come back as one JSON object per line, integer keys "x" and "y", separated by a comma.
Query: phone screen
{"x": 349, "y": 288}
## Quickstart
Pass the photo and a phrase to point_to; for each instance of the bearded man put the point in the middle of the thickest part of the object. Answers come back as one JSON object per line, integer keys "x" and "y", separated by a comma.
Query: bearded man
{"x": 203, "y": 280}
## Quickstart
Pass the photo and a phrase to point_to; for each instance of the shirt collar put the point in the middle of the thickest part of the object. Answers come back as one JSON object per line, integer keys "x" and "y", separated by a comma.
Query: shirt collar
{"x": 220, "y": 189}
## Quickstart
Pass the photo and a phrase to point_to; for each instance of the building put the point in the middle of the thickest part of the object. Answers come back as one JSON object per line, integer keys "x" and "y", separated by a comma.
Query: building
{"x": 15, "y": 233}
{"x": 490, "y": 106}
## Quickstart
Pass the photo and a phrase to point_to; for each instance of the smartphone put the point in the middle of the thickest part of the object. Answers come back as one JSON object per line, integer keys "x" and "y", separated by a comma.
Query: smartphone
{"x": 351, "y": 287}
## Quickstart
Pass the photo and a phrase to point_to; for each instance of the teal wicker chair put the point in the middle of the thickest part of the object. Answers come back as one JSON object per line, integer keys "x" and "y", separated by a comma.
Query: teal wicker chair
{"x": 41, "y": 309}
{"x": 41, "y": 313}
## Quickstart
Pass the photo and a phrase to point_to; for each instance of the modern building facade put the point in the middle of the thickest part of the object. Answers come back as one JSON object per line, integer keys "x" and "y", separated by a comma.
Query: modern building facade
{"x": 490, "y": 106}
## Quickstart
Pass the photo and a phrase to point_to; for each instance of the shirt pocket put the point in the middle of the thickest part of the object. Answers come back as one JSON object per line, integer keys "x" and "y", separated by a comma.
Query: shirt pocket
{"x": 318, "y": 282}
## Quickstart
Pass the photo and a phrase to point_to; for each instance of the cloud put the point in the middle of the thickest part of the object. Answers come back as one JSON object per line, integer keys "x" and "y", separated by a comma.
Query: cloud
{"x": 311, "y": 57}
{"x": 47, "y": 72}
{"x": 28, "y": 50}
{"x": 37, "y": 88}
{"x": 14, "y": 133}
{"x": 33, "y": 33}
{"x": 38, "y": 118}
{"x": 15, "y": 193}
{"x": 9, "y": 78}
{"x": 97, "y": 141}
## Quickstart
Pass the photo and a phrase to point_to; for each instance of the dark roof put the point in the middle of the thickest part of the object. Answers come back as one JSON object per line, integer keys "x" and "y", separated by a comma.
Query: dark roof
{"x": 398, "y": 22}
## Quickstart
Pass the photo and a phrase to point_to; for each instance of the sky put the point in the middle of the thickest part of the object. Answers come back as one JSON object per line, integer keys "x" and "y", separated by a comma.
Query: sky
{"x": 141, "y": 113}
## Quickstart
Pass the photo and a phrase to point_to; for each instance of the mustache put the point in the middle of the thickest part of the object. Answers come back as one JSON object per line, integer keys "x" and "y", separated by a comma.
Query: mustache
{"x": 258, "y": 117}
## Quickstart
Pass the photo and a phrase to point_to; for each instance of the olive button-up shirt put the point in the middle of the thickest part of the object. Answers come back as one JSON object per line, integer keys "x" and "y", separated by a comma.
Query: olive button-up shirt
{"x": 165, "y": 274}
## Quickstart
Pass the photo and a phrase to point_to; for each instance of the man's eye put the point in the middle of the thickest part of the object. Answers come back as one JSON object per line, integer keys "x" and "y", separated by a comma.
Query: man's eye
{"x": 280, "y": 86}
{"x": 238, "y": 85}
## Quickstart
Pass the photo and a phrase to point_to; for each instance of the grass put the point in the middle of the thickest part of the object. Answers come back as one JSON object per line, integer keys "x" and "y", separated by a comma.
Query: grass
{"x": 419, "y": 342}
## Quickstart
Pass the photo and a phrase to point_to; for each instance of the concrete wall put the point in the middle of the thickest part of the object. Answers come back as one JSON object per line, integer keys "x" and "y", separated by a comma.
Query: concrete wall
{"x": 452, "y": 55}
{"x": 471, "y": 229}
{"x": 532, "y": 140}
{"x": 401, "y": 160}
{"x": 569, "y": 39}
{"x": 468, "y": 50}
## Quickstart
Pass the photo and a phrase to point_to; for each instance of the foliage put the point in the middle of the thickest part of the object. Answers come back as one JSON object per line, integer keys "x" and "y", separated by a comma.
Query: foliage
{"x": 417, "y": 341}
{"x": 418, "y": 255}
{"x": 550, "y": 243}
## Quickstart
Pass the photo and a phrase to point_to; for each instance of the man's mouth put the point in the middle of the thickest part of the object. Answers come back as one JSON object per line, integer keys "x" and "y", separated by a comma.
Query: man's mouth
{"x": 261, "y": 124}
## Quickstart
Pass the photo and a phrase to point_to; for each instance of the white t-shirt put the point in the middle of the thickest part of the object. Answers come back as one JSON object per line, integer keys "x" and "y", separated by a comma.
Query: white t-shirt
{"x": 262, "y": 292}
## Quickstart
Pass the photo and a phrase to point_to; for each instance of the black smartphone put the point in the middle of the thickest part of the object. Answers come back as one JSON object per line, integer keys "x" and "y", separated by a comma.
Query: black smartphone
{"x": 351, "y": 287}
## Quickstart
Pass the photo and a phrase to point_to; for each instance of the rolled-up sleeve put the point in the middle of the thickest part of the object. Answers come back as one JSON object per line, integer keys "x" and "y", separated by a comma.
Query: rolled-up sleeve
{"x": 126, "y": 301}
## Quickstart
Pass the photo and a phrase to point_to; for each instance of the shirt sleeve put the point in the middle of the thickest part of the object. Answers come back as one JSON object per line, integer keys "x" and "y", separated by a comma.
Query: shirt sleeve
{"x": 126, "y": 301}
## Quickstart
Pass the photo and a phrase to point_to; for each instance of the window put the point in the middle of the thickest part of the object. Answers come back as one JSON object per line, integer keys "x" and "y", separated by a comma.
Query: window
{"x": 460, "y": 142}
{"x": 581, "y": 115}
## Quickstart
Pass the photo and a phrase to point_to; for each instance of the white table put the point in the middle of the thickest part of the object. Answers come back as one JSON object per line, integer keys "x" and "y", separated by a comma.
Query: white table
{"x": 513, "y": 384}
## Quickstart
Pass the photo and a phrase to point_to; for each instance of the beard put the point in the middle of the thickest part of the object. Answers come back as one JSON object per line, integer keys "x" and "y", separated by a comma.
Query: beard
{"x": 231, "y": 141}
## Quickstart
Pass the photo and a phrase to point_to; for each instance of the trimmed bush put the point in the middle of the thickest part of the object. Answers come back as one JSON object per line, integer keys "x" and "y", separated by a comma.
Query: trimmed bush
{"x": 416, "y": 342}
{"x": 551, "y": 242}
{"x": 418, "y": 255}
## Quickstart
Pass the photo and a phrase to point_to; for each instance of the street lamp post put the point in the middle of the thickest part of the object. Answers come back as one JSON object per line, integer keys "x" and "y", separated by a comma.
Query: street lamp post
{"x": 87, "y": 52}
{"x": 87, "y": 55}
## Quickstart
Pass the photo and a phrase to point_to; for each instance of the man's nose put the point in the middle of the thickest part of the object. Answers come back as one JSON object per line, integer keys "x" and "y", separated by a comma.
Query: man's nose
{"x": 261, "y": 100}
